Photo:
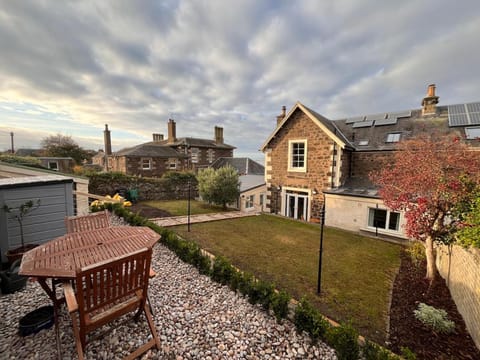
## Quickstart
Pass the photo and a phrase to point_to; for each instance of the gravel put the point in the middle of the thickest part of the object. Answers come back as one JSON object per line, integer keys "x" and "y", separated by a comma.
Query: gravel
{"x": 195, "y": 317}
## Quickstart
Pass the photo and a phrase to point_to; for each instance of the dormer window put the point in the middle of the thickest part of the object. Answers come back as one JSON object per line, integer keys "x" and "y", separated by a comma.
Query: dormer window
{"x": 472, "y": 133}
{"x": 393, "y": 137}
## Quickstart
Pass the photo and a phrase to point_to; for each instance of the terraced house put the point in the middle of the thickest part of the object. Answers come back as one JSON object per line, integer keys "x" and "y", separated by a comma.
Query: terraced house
{"x": 312, "y": 161}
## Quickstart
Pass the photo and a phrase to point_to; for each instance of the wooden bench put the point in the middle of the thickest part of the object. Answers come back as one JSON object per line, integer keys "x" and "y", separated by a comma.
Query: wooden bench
{"x": 93, "y": 221}
{"x": 107, "y": 291}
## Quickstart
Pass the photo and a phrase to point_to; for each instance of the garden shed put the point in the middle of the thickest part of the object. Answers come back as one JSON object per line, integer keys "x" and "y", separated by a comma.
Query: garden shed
{"x": 50, "y": 198}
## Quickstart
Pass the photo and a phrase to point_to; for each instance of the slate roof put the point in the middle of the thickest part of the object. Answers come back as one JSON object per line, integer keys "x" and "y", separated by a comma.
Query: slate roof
{"x": 244, "y": 166}
{"x": 248, "y": 182}
{"x": 195, "y": 142}
{"x": 150, "y": 150}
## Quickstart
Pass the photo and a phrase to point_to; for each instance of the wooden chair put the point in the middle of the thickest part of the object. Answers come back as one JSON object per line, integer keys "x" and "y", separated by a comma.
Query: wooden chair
{"x": 106, "y": 291}
{"x": 93, "y": 221}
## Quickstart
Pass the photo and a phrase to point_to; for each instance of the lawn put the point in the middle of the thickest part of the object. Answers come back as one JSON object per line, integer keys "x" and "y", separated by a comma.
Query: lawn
{"x": 357, "y": 271}
{"x": 179, "y": 207}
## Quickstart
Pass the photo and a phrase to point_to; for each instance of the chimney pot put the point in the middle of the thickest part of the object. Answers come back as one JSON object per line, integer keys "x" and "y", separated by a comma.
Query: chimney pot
{"x": 430, "y": 101}
{"x": 282, "y": 115}
{"x": 431, "y": 90}
{"x": 218, "y": 135}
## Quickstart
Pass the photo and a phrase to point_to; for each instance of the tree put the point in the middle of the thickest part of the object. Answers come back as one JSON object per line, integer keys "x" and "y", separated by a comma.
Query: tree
{"x": 64, "y": 146}
{"x": 219, "y": 186}
{"x": 430, "y": 175}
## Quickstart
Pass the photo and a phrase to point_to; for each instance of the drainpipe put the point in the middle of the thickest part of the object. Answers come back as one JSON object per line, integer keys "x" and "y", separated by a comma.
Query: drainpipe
{"x": 333, "y": 165}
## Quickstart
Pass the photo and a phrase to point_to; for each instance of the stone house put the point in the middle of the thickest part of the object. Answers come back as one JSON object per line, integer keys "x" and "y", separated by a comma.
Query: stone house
{"x": 155, "y": 158}
{"x": 312, "y": 161}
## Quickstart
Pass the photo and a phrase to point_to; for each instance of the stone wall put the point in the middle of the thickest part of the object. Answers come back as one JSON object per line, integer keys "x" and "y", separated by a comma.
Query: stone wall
{"x": 461, "y": 270}
{"x": 365, "y": 162}
{"x": 148, "y": 188}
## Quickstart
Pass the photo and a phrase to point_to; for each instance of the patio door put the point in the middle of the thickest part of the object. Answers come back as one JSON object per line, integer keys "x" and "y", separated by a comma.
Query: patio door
{"x": 296, "y": 205}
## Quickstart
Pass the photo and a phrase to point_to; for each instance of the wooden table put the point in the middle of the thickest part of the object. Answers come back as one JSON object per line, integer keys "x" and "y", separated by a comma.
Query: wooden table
{"x": 59, "y": 258}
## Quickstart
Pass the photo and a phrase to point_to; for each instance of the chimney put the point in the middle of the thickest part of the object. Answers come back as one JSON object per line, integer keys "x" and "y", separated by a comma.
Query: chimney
{"x": 172, "y": 131}
{"x": 218, "y": 135}
{"x": 107, "y": 141}
{"x": 157, "y": 137}
{"x": 429, "y": 102}
{"x": 282, "y": 115}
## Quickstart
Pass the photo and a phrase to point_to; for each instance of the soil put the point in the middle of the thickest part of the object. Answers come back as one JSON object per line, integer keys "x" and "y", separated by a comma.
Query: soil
{"x": 411, "y": 288}
{"x": 148, "y": 211}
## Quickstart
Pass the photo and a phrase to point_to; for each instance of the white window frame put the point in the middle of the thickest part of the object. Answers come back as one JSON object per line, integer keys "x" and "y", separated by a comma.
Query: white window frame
{"x": 54, "y": 168}
{"x": 249, "y": 201}
{"x": 370, "y": 225}
{"x": 172, "y": 164}
{"x": 291, "y": 144}
{"x": 210, "y": 155}
{"x": 393, "y": 137}
{"x": 149, "y": 164}
{"x": 472, "y": 133}
{"x": 194, "y": 155}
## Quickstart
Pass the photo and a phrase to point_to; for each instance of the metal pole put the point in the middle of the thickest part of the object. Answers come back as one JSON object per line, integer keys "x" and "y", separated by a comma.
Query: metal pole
{"x": 188, "y": 208}
{"x": 11, "y": 141}
{"x": 322, "y": 223}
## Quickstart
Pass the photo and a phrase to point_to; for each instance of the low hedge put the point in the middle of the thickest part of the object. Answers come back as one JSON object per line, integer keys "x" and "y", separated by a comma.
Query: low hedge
{"x": 343, "y": 338}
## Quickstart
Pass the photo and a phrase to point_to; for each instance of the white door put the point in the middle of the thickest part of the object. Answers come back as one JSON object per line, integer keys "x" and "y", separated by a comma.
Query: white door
{"x": 296, "y": 206}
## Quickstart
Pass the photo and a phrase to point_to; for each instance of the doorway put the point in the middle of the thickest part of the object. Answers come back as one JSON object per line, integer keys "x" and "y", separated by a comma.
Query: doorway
{"x": 296, "y": 204}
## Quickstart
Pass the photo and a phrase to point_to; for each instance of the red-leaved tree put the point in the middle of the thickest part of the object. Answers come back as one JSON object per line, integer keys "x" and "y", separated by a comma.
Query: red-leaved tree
{"x": 429, "y": 175}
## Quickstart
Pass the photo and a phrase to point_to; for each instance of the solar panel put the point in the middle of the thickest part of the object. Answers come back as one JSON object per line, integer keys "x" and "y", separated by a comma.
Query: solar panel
{"x": 376, "y": 117}
{"x": 362, "y": 124}
{"x": 400, "y": 114}
{"x": 464, "y": 114}
{"x": 354, "y": 119}
{"x": 391, "y": 121}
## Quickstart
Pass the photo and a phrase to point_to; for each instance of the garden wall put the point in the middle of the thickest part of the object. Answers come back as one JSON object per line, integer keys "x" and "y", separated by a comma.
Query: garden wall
{"x": 464, "y": 283}
{"x": 173, "y": 187}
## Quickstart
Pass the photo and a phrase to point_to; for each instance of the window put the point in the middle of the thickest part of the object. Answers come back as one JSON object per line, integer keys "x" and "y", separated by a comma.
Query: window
{"x": 297, "y": 155}
{"x": 210, "y": 155}
{"x": 472, "y": 133}
{"x": 249, "y": 201}
{"x": 195, "y": 154}
{"x": 383, "y": 219}
{"x": 393, "y": 137}
{"x": 262, "y": 200}
{"x": 53, "y": 165}
{"x": 172, "y": 164}
{"x": 146, "y": 164}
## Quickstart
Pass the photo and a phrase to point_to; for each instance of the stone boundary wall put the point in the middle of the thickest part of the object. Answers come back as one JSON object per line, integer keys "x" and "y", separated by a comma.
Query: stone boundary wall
{"x": 464, "y": 283}
{"x": 148, "y": 188}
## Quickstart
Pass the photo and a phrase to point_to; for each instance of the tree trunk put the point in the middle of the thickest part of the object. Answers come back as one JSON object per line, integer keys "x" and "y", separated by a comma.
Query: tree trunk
{"x": 431, "y": 267}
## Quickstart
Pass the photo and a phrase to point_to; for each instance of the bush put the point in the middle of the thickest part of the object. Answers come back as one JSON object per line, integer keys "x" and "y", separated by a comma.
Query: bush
{"x": 245, "y": 282}
{"x": 280, "y": 303}
{"x": 436, "y": 319}
{"x": 265, "y": 292}
{"x": 416, "y": 251}
{"x": 344, "y": 339}
{"x": 222, "y": 271}
{"x": 309, "y": 319}
{"x": 372, "y": 351}
{"x": 408, "y": 354}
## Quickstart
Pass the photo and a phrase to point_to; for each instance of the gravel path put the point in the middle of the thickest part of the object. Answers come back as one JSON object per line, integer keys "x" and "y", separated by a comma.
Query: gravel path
{"x": 196, "y": 318}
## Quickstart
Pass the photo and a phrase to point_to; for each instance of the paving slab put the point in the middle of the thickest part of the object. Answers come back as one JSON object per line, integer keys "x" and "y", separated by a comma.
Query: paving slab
{"x": 194, "y": 219}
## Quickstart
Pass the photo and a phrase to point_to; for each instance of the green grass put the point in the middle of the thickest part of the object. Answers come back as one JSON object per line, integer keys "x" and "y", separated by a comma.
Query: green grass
{"x": 357, "y": 271}
{"x": 179, "y": 207}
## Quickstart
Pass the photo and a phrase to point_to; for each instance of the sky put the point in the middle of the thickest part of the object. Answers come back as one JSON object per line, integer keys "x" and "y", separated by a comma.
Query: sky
{"x": 70, "y": 67}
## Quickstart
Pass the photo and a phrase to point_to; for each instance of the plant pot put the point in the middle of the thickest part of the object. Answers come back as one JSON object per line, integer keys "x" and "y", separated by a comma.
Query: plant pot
{"x": 17, "y": 253}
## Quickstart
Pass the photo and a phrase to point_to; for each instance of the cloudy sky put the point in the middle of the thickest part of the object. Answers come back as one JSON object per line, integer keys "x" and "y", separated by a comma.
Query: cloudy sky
{"x": 71, "y": 67}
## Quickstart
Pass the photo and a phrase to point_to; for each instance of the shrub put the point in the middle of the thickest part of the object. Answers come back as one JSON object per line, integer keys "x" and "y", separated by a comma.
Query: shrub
{"x": 372, "y": 351}
{"x": 308, "y": 319}
{"x": 437, "y": 319}
{"x": 408, "y": 354}
{"x": 222, "y": 270}
{"x": 265, "y": 292}
{"x": 280, "y": 303}
{"x": 416, "y": 251}
{"x": 344, "y": 339}
{"x": 245, "y": 283}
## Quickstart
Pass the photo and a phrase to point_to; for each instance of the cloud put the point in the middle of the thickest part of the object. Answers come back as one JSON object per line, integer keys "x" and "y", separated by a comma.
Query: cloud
{"x": 76, "y": 66}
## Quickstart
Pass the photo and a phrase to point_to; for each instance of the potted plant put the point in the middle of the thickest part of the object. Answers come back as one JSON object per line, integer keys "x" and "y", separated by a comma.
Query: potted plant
{"x": 19, "y": 213}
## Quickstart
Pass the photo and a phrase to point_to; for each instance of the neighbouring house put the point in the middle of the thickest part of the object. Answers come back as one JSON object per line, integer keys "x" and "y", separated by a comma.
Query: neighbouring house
{"x": 60, "y": 164}
{"x": 312, "y": 161}
{"x": 155, "y": 158}
{"x": 253, "y": 189}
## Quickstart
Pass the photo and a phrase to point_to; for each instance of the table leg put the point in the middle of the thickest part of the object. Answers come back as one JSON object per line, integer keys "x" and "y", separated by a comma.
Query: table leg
{"x": 51, "y": 292}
